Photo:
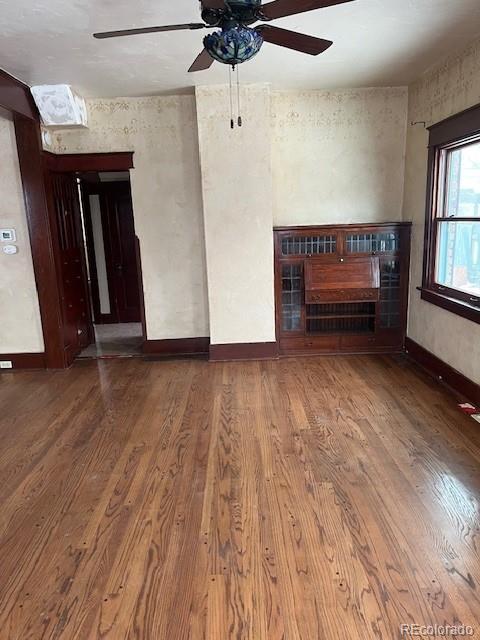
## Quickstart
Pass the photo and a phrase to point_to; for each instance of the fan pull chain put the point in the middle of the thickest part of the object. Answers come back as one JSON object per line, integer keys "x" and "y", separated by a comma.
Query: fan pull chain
{"x": 230, "y": 75}
{"x": 231, "y": 72}
{"x": 239, "y": 111}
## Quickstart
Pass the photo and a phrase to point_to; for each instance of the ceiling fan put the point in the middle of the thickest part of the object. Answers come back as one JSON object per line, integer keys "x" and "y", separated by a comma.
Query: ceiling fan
{"x": 237, "y": 42}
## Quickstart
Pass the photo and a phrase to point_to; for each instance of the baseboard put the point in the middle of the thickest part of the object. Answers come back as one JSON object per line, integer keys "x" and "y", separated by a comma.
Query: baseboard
{"x": 23, "y": 361}
{"x": 443, "y": 372}
{"x": 178, "y": 347}
{"x": 246, "y": 351}
{"x": 217, "y": 352}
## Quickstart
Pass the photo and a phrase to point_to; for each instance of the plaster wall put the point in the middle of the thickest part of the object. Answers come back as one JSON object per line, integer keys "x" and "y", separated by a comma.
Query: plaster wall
{"x": 338, "y": 156}
{"x": 237, "y": 197}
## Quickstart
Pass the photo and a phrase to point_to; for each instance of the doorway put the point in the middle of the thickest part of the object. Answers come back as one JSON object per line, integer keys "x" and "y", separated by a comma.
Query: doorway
{"x": 112, "y": 265}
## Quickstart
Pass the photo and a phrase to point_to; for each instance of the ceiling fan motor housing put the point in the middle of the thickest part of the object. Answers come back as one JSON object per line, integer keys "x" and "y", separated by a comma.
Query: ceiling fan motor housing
{"x": 243, "y": 12}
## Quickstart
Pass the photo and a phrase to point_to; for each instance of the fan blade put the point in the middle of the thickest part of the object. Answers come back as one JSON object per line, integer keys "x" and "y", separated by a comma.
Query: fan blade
{"x": 135, "y": 32}
{"x": 203, "y": 61}
{"x": 293, "y": 40}
{"x": 213, "y": 4}
{"x": 282, "y": 8}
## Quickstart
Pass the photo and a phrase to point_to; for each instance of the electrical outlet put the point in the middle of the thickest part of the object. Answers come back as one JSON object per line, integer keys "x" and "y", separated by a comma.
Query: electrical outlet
{"x": 6, "y": 364}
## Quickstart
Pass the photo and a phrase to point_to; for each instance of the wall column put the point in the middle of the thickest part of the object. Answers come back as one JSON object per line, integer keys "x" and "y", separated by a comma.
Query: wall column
{"x": 238, "y": 214}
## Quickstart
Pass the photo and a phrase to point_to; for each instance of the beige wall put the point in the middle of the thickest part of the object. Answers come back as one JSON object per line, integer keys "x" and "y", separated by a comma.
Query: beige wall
{"x": 338, "y": 156}
{"x": 167, "y": 202}
{"x": 20, "y": 326}
{"x": 446, "y": 90}
{"x": 237, "y": 197}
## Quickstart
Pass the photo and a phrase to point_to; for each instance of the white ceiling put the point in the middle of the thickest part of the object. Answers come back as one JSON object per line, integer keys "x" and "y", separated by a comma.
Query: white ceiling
{"x": 376, "y": 42}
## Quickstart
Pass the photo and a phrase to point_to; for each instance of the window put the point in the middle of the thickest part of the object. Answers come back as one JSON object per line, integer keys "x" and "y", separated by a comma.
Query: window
{"x": 452, "y": 240}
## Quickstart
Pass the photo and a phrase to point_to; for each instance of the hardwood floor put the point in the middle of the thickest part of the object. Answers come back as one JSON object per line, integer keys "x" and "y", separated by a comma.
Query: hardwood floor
{"x": 303, "y": 499}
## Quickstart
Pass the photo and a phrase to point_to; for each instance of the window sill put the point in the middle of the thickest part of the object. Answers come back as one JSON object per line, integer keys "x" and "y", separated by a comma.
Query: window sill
{"x": 458, "y": 307}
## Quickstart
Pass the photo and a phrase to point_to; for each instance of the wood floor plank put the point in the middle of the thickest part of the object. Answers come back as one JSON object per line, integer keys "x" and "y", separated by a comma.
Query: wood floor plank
{"x": 330, "y": 498}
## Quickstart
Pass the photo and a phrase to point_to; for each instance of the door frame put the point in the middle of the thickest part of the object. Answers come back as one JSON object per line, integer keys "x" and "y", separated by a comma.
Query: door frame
{"x": 41, "y": 224}
{"x": 76, "y": 163}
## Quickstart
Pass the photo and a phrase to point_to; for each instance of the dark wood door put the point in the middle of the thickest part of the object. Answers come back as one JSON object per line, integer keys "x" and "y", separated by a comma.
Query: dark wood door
{"x": 119, "y": 249}
{"x": 73, "y": 282}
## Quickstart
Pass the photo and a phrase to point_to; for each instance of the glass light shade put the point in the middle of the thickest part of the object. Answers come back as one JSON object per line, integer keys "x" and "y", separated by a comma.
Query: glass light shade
{"x": 234, "y": 45}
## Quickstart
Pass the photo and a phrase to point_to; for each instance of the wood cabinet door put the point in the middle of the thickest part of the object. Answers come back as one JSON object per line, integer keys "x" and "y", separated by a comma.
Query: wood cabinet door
{"x": 349, "y": 279}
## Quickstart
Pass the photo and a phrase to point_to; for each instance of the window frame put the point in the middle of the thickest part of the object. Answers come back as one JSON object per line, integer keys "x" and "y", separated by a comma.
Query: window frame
{"x": 458, "y": 131}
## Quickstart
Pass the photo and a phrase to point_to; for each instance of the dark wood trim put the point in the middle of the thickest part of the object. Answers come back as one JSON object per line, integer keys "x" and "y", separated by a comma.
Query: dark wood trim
{"x": 460, "y": 125}
{"x": 443, "y": 372}
{"x": 430, "y": 202}
{"x": 42, "y": 237}
{"x": 141, "y": 290}
{"x": 15, "y": 96}
{"x": 36, "y": 167}
{"x": 348, "y": 227}
{"x": 24, "y": 361}
{"x": 451, "y": 304}
{"x": 457, "y": 130}
{"x": 73, "y": 162}
{"x": 245, "y": 351}
{"x": 176, "y": 347}
{"x": 406, "y": 235}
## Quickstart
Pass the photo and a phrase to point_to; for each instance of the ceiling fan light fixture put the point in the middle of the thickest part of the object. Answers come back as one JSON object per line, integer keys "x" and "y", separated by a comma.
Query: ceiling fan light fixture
{"x": 233, "y": 45}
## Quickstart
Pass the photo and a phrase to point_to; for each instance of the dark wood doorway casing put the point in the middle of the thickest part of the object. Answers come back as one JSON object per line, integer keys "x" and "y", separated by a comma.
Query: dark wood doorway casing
{"x": 36, "y": 167}
{"x": 85, "y": 162}
{"x": 70, "y": 165}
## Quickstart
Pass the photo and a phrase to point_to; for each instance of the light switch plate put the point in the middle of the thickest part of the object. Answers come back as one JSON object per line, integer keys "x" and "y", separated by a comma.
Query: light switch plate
{"x": 6, "y": 364}
{"x": 8, "y": 235}
{"x": 10, "y": 249}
